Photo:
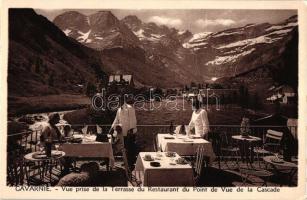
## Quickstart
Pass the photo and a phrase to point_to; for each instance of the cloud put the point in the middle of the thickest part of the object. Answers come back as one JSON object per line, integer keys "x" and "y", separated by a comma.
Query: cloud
{"x": 175, "y": 22}
{"x": 214, "y": 22}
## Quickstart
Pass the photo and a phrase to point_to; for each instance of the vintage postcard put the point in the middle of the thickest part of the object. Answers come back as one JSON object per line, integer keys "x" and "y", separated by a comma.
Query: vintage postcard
{"x": 153, "y": 99}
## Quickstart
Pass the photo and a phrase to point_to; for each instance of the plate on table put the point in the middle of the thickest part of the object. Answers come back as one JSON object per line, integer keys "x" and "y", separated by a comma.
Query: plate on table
{"x": 155, "y": 164}
{"x": 169, "y": 137}
{"x": 173, "y": 163}
{"x": 56, "y": 153}
{"x": 39, "y": 156}
{"x": 159, "y": 154}
{"x": 76, "y": 140}
{"x": 158, "y": 158}
{"x": 77, "y": 136}
{"x": 181, "y": 161}
{"x": 148, "y": 158}
{"x": 195, "y": 136}
{"x": 170, "y": 154}
{"x": 277, "y": 160}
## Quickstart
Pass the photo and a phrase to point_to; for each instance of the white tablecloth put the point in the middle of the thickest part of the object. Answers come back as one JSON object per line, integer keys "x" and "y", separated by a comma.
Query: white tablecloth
{"x": 89, "y": 149}
{"x": 166, "y": 174}
{"x": 183, "y": 148}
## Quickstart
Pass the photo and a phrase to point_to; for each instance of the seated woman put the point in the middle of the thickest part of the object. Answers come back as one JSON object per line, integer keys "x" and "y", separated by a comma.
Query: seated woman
{"x": 199, "y": 120}
{"x": 50, "y": 131}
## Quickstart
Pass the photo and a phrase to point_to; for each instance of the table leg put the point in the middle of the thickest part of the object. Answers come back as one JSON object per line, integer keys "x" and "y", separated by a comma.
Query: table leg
{"x": 252, "y": 152}
{"x": 26, "y": 172}
{"x": 49, "y": 165}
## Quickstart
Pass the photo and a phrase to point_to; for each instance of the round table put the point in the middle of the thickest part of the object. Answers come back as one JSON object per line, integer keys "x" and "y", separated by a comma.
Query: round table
{"x": 246, "y": 143}
{"x": 283, "y": 164}
{"x": 43, "y": 161}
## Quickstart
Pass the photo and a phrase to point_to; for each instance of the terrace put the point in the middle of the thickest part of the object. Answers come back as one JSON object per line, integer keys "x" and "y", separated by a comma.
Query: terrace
{"x": 227, "y": 169}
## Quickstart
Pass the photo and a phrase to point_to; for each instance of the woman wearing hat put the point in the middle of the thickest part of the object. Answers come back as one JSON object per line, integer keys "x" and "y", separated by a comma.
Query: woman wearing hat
{"x": 50, "y": 132}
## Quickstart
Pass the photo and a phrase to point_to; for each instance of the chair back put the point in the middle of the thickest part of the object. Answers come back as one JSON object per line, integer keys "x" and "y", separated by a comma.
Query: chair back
{"x": 155, "y": 142}
{"x": 225, "y": 141}
{"x": 274, "y": 135}
{"x": 199, "y": 163}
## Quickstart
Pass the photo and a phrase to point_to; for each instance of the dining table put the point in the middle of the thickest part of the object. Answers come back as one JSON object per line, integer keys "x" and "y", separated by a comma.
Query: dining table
{"x": 185, "y": 145}
{"x": 246, "y": 145}
{"x": 89, "y": 148}
{"x": 168, "y": 172}
{"x": 282, "y": 167}
{"x": 45, "y": 163}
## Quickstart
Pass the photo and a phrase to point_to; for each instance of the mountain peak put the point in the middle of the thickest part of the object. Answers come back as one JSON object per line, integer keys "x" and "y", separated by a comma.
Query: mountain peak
{"x": 103, "y": 19}
{"x": 103, "y": 14}
{"x": 132, "y": 18}
{"x": 70, "y": 19}
{"x": 72, "y": 13}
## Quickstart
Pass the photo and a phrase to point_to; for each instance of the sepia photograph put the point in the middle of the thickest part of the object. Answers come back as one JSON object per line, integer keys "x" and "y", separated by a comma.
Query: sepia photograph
{"x": 152, "y": 98}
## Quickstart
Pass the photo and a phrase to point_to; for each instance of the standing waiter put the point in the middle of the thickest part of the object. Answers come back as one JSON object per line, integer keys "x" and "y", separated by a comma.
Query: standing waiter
{"x": 125, "y": 117}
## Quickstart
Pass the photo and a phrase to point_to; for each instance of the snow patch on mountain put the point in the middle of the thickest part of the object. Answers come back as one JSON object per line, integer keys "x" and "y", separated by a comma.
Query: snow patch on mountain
{"x": 194, "y": 45}
{"x": 139, "y": 33}
{"x": 199, "y": 36}
{"x": 67, "y": 31}
{"x": 156, "y": 35}
{"x": 182, "y": 32}
{"x": 280, "y": 32}
{"x": 88, "y": 41}
{"x": 88, "y": 20}
{"x": 248, "y": 42}
{"x": 84, "y": 36}
{"x": 197, "y": 41}
{"x": 219, "y": 60}
{"x": 225, "y": 33}
{"x": 152, "y": 37}
{"x": 276, "y": 27}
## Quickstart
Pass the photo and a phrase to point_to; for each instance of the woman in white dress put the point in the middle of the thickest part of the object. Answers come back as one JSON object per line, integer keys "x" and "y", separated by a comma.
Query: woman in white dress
{"x": 199, "y": 120}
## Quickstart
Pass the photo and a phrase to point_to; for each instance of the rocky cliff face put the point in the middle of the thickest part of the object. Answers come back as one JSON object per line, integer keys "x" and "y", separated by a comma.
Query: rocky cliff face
{"x": 42, "y": 60}
{"x": 100, "y": 30}
{"x": 235, "y": 51}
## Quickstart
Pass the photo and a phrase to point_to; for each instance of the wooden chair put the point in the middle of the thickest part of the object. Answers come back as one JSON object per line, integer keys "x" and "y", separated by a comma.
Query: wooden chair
{"x": 129, "y": 175}
{"x": 228, "y": 151}
{"x": 270, "y": 145}
{"x": 155, "y": 142}
{"x": 248, "y": 171}
{"x": 199, "y": 164}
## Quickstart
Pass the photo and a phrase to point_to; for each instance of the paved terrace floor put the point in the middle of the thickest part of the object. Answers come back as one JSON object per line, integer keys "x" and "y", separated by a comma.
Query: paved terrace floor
{"x": 228, "y": 176}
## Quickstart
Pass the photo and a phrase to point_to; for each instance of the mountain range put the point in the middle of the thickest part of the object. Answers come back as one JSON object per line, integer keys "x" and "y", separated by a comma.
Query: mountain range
{"x": 76, "y": 48}
{"x": 201, "y": 56}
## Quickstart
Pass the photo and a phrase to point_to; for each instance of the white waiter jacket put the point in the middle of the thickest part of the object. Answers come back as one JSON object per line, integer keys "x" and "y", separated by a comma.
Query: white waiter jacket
{"x": 200, "y": 122}
{"x": 125, "y": 117}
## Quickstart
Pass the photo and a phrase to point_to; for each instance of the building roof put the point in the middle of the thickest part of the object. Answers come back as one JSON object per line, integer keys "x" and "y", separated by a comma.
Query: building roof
{"x": 284, "y": 88}
{"x": 117, "y": 78}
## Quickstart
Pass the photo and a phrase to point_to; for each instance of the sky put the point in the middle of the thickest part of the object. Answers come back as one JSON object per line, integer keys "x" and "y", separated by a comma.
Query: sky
{"x": 195, "y": 20}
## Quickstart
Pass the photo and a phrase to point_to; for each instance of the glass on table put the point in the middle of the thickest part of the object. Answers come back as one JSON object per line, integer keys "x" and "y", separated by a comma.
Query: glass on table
{"x": 41, "y": 148}
{"x": 57, "y": 146}
{"x": 159, "y": 151}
